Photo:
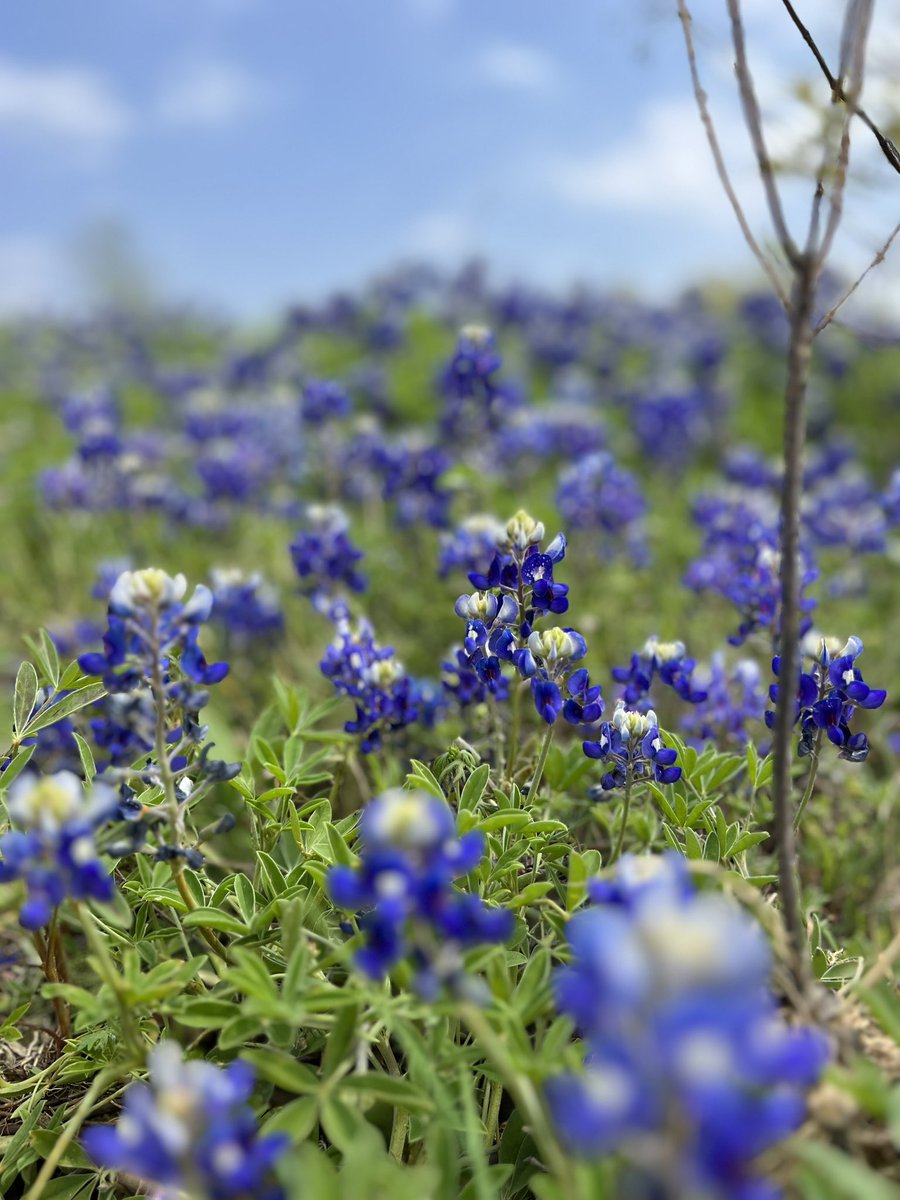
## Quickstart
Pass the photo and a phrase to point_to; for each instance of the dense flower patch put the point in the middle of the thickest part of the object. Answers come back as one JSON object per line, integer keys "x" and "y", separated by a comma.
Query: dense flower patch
{"x": 416, "y": 848}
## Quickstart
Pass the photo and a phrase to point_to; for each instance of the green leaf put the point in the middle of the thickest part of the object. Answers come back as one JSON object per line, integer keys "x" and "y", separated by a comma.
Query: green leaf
{"x": 341, "y": 1040}
{"x": 270, "y": 875}
{"x": 506, "y": 818}
{"x": 282, "y": 1070}
{"x": 475, "y": 787}
{"x": 390, "y": 1089}
{"x": 422, "y": 777}
{"x": 25, "y": 695}
{"x": 238, "y": 1031}
{"x": 530, "y": 893}
{"x": 745, "y": 841}
{"x": 340, "y": 851}
{"x": 204, "y": 1012}
{"x": 16, "y": 764}
{"x": 87, "y": 757}
{"x": 344, "y": 1126}
{"x": 44, "y": 1140}
{"x": 844, "y": 1175}
{"x": 65, "y": 707}
{"x": 246, "y": 898}
{"x": 69, "y": 1187}
{"x": 693, "y": 844}
{"x": 215, "y": 918}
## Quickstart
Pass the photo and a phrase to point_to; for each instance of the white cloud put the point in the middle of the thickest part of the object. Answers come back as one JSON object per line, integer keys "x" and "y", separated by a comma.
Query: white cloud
{"x": 67, "y": 102}
{"x": 208, "y": 93}
{"x": 33, "y": 275}
{"x": 664, "y": 165}
{"x": 515, "y": 66}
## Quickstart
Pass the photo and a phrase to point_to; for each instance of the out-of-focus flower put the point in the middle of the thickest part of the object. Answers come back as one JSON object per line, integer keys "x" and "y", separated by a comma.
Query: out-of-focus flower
{"x": 190, "y": 1131}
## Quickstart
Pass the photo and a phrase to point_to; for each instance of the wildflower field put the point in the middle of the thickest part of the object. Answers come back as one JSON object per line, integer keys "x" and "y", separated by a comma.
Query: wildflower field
{"x": 386, "y": 805}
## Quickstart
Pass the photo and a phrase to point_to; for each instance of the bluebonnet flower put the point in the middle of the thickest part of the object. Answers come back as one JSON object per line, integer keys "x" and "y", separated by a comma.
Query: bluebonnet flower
{"x": 245, "y": 605}
{"x": 746, "y": 571}
{"x": 410, "y": 856}
{"x": 631, "y": 745}
{"x": 828, "y": 696}
{"x": 566, "y": 431}
{"x": 324, "y": 556}
{"x": 372, "y": 677}
{"x": 461, "y": 680}
{"x": 52, "y": 847}
{"x": 470, "y": 377}
{"x": 324, "y": 399}
{"x": 147, "y": 623}
{"x": 595, "y": 494}
{"x": 191, "y": 1131}
{"x": 547, "y": 659}
{"x": 413, "y": 470}
{"x": 734, "y": 698}
{"x": 518, "y": 590}
{"x": 471, "y": 545}
{"x": 691, "y": 1071}
{"x": 666, "y": 661}
{"x": 671, "y": 426}
{"x": 233, "y": 469}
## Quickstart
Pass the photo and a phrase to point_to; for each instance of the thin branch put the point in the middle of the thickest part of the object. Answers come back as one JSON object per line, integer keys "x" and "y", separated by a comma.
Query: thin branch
{"x": 853, "y": 62}
{"x": 721, "y": 169}
{"x": 876, "y": 261}
{"x": 753, "y": 121}
{"x": 888, "y": 149}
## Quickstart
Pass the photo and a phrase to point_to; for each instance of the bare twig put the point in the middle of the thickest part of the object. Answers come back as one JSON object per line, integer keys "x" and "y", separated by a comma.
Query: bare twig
{"x": 753, "y": 121}
{"x": 888, "y": 149}
{"x": 876, "y": 261}
{"x": 718, "y": 159}
{"x": 855, "y": 35}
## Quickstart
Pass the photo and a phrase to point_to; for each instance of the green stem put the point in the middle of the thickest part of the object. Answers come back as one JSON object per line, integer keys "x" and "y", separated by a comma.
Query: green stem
{"x": 399, "y": 1130}
{"x": 542, "y": 762}
{"x": 621, "y": 838}
{"x": 526, "y": 1096}
{"x": 71, "y": 1128}
{"x": 810, "y": 780}
{"x": 515, "y": 731}
{"x": 109, "y": 973}
{"x": 492, "y": 1121}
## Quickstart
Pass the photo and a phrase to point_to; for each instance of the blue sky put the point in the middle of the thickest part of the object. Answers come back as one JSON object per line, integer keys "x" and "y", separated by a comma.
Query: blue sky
{"x": 263, "y": 150}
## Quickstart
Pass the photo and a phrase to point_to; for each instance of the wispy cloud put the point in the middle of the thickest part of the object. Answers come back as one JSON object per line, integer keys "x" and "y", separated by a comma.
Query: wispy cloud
{"x": 208, "y": 93}
{"x": 517, "y": 67}
{"x": 69, "y": 102}
{"x": 664, "y": 165}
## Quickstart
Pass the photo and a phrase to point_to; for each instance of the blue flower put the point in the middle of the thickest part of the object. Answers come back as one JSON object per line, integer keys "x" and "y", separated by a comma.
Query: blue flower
{"x": 409, "y": 858}
{"x": 53, "y": 849}
{"x": 245, "y": 605}
{"x": 371, "y": 675}
{"x": 190, "y": 1128}
{"x": 667, "y": 661}
{"x": 687, "y": 1050}
{"x": 828, "y": 696}
{"x": 632, "y": 746}
{"x": 596, "y": 494}
{"x": 733, "y": 699}
{"x": 323, "y": 555}
{"x": 147, "y": 622}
